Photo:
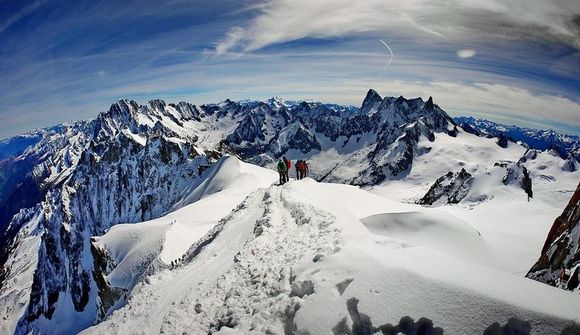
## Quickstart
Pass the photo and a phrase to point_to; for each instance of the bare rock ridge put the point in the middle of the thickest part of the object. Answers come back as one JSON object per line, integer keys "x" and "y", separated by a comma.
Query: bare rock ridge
{"x": 452, "y": 187}
{"x": 559, "y": 263}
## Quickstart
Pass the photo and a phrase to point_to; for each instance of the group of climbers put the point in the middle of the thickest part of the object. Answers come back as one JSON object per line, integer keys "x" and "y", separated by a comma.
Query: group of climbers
{"x": 301, "y": 169}
{"x": 284, "y": 166}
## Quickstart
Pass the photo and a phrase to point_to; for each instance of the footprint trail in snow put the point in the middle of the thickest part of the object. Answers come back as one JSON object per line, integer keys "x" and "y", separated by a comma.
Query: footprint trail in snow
{"x": 242, "y": 277}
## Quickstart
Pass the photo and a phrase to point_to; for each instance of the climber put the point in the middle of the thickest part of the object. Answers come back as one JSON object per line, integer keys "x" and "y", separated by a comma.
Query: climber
{"x": 298, "y": 167}
{"x": 288, "y": 166}
{"x": 305, "y": 169}
{"x": 282, "y": 171}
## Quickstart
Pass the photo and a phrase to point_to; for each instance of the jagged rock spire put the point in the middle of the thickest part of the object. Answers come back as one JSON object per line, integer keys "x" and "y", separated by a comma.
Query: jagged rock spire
{"x": 371, "y": 102}
{"x": 429, "y": 104}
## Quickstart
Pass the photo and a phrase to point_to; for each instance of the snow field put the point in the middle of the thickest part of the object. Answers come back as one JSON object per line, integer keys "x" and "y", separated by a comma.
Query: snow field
{"x": 287, "y": 259}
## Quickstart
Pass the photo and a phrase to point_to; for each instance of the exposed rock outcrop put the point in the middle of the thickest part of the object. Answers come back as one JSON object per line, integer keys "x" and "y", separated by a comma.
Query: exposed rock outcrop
{"x": 559, "y": 263}
{"x": 519, "y": 175}
{"x": 450, "y": 188}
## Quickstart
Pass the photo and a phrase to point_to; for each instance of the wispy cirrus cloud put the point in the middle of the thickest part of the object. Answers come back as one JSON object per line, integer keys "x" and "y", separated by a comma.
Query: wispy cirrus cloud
{"x": 60, "y": 64}
{"x": 279, "y": 21}
{"x": 23, "y": 12}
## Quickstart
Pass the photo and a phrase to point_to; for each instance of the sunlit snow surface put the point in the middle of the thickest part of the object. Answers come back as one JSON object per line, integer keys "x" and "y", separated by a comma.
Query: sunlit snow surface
{"x": 292, "y": 255}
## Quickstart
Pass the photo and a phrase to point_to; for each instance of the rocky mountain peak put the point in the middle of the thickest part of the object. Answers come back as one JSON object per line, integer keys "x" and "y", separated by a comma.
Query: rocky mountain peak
{"x": 157, "y": 104}
{"x": 123, "y": 108}
{"x": 371, "y": 102}
{"x": 429, "y": 104}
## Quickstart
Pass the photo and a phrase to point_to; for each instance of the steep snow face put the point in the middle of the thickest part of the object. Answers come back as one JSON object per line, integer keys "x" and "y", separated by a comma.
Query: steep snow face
{"x": 229, "y": 173}
{"x": 296, "y": 258}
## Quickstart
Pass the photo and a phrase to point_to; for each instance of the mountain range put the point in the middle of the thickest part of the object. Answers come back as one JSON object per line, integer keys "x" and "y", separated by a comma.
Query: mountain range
{"x": 72, "y": 254}
{"x": 538, "y": 139}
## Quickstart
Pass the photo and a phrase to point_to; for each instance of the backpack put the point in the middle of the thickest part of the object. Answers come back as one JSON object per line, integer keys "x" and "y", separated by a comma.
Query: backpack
{"x": 281, "y": 166}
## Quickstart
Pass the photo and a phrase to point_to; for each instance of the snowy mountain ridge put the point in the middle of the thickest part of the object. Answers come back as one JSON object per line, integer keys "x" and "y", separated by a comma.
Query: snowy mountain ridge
{"x": 64, "y": 189}
{"x": 321, "y": 258}
{"x": 537, "y": 139}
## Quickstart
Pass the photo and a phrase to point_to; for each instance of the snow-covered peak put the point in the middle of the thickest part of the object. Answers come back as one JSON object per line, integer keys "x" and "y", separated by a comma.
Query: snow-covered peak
{"x": 277, "y": 102}
{"x": 122, "y": 111}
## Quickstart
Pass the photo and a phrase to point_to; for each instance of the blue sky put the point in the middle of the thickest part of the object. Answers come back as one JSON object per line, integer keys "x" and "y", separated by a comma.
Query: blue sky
{"x": 512, "y": 61}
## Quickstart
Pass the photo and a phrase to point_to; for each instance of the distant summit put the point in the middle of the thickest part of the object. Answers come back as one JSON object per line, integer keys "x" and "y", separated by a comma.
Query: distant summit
{"x": 538, "y": 139}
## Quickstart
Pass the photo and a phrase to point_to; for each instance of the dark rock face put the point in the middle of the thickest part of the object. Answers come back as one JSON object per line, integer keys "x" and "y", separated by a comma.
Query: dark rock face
{"x": 249, "y": 129}
{"x": 559, "y": 263}
{"x": 517, "y": 174}
{"x": 453, "y": 132}
{"x": 502, "y": 141}
{"x": 451, "y": 187}
{"x": 371, "y": 102}
{"x": 526, "y": 183}
{"x": 108, "y": 295}
{"x": 571, "y": 164}
{"x": 530, "y": 154}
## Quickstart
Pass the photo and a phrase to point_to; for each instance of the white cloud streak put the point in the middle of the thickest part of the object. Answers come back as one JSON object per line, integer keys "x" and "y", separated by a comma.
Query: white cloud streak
{"x": 281, "y": 21}
{"x": 20, "y": 14}
{"x": 391, "y": 56}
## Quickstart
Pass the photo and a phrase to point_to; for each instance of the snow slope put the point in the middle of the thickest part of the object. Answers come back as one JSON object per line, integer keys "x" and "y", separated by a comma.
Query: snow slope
{"x": 513, "y": 226}
{"x": 289, "y": 259}
{"x": 134, "y": 247}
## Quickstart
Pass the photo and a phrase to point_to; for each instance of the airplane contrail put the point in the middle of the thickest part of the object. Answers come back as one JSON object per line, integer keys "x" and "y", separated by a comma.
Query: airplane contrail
{"x": 391, "y": 51}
